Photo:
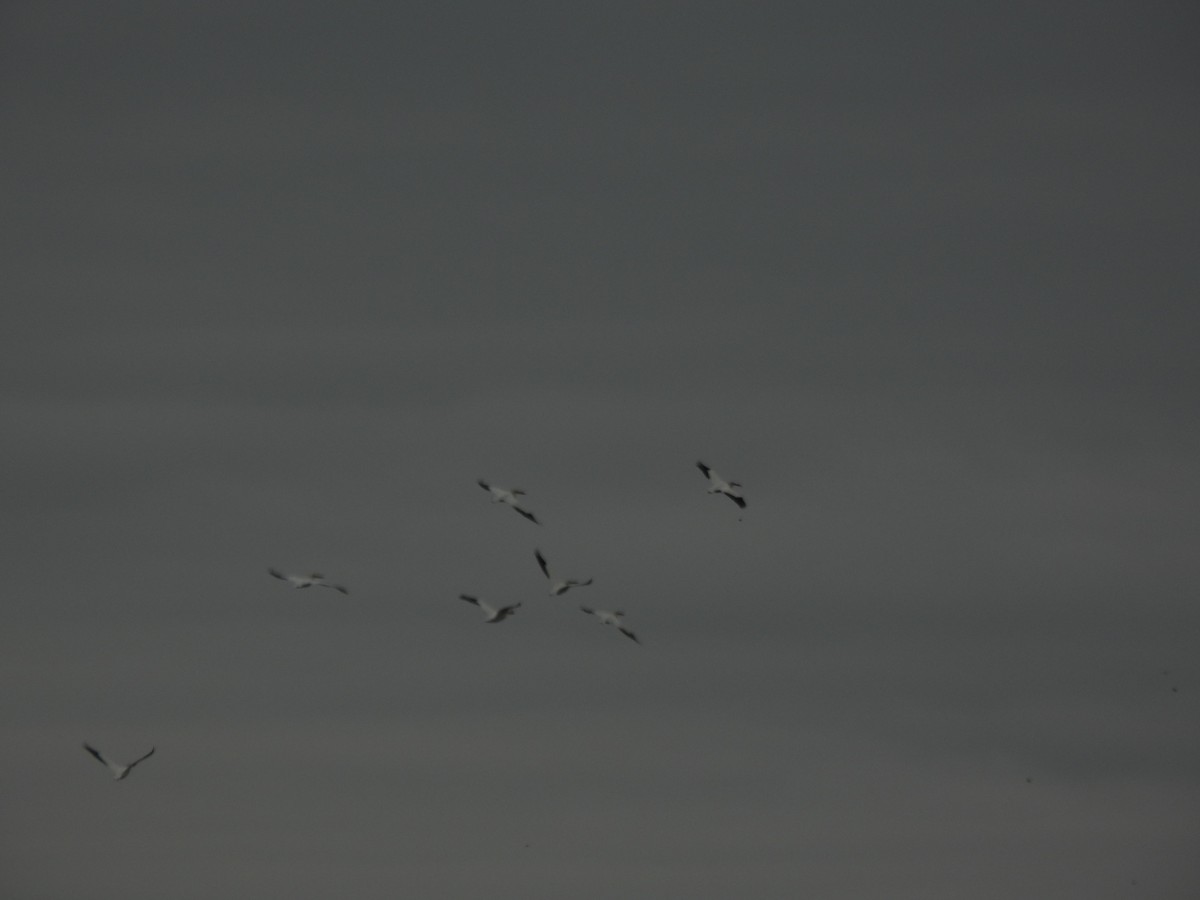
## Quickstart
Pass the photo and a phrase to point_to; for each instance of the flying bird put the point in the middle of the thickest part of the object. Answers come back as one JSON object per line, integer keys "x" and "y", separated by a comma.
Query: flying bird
{"x": 611, "y": 617}
{"x": 493, "y": 614}
{"x": 718, "y": 485}
{"x": 303, "y": 581}
{"x": 119, "y": 772}
{"x": 558, "y": 586}
{"x": 508, "y": 496}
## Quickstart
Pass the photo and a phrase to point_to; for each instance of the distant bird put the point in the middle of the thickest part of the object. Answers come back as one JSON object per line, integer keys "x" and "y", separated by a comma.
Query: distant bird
{"x": 493, "y": 614}
{"x": 508, "y": 496}
{"x": 558, "y": 586}
{"x": 718, "y": 485}
{"x": 119, "y": 772}
{"x": 611, "y": 617}
{"x": 303, "y": 581}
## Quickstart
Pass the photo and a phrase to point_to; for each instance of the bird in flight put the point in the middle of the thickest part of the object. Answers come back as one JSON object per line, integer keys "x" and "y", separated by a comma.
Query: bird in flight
{"x": 558, "y": 586}
{"x": 508, "y": 496}
{"x": 718, "y": 485}
{"x": 304, "y": 581}
{"x": 493, "y": 614}
{"x": 118, "y": 771}
{"x": 611, "y": 617}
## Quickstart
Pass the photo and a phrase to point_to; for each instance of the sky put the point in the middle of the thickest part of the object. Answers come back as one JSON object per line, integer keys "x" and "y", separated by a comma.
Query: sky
{"x": 284, "y": 280}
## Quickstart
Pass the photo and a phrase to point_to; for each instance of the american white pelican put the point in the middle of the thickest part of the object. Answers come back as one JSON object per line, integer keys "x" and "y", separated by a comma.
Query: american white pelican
{"x": 508, "y": 496}
{"x": 493, "y": 614}
{"x": 558, "y": 586}
{"x": 611, "y": 617}
{"x": 303, "y": 581}
{"x": 718, "y": 485}
{"x": 118, "y": 771}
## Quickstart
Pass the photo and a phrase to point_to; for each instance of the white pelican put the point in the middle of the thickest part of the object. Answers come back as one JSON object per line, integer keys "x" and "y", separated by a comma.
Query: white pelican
{"x": 508, "y": 496}
{"x": 611, "y": 617}
{"x": 303, "y": 581}
{"x": 493, "y": 614}
{"x": 558, "y": 586}
{"x": 118, "y": 771}
{"x": 718, "y": 485}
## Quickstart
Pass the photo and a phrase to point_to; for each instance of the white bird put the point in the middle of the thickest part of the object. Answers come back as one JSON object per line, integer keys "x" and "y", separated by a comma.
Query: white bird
{"x": 611, "y": 617}
{"x": 303, "y": 581}
{"x": 493, "y": 614}
{"x": 508, "y": 496}
{"x": 718, "y": 485}
{"x": 118, "y": 771}
{"x": 558, "y": 586}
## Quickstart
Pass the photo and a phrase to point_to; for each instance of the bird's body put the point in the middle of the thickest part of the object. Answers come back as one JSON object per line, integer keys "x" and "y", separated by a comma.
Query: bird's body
{"x": 492, "y": 613}
{"x": 611, "y": 617}
{"x": 119, "y": 772}
{"x": 558, "y": 586}
{"x": 718, "y": 485}
{"x": 508, "y": 496}
{"x": 305, "y": 581}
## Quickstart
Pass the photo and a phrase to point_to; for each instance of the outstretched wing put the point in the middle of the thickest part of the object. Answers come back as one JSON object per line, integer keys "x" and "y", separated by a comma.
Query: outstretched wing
{"x": 527, "y": 514}
{"x": 278, "y": 574}
{"x": 542, "y": 562}
{"x": 705, "y": 469}
{"x": 96, "y": 753}
{"x": 629, "y": 634}
{"x": 469, "y": 598}
{"x": 588, "y": 610}
{"x": 740, "y": 501}
{"x": 140, "y": 758}
{"x": 483, "y": 484}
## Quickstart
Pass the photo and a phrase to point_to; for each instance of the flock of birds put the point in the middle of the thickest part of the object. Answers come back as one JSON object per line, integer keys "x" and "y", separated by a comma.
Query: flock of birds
{"x": 492, "y": 614}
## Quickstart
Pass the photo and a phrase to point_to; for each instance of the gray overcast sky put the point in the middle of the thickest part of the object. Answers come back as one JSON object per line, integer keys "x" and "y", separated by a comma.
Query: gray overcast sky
{"x": 284, "y": 279}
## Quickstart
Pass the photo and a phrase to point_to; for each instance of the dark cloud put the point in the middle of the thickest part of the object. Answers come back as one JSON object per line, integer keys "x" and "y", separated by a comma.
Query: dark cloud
{"x": 284, "y": 280}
